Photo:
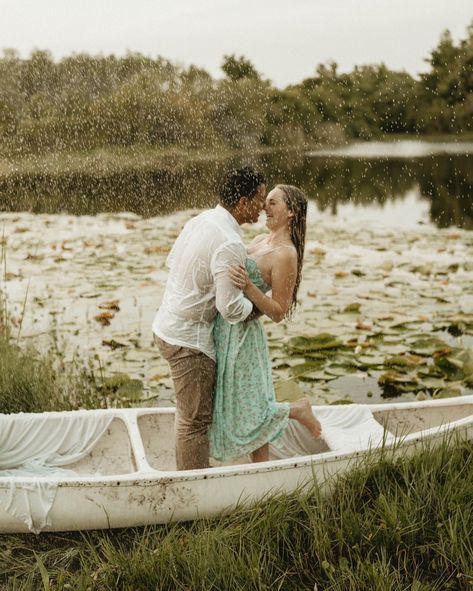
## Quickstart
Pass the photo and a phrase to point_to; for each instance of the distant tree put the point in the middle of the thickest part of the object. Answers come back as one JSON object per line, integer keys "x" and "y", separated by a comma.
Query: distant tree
{"x": 446, "y": 91}
{"x": 239, "y": 112}
{"x": 237, "y": 68}
{"x": 82, "y": 102}
{"x": 290, "y": 118}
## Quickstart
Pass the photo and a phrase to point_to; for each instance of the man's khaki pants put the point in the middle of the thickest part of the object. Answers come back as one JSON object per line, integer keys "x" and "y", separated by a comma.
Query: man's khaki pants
{"x": 193, "y": 375}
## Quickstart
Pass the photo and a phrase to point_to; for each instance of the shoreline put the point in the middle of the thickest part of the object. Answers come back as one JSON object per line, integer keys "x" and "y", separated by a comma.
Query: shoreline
{"x": 112, "y": 160}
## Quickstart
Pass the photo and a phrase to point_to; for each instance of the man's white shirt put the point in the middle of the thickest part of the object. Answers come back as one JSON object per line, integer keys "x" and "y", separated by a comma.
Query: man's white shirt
{"x": 199, "y": 284}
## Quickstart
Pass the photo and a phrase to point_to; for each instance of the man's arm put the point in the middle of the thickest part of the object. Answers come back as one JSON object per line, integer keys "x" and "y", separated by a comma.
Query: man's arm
{"x": 229, "y": 300}
{"x": 255, "y": 313}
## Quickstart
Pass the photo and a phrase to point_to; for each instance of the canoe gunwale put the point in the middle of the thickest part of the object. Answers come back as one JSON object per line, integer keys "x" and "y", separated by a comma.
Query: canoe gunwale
{"x": 148, "y": 476}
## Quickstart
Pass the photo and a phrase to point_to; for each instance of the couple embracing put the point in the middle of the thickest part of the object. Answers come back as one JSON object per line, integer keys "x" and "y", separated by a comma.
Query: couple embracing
{"x": 208, "y": 326}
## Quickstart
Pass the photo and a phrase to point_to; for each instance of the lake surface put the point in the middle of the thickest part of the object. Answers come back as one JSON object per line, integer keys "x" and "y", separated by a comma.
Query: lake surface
{"x": 385, "y": 279}
{"x": 403, "y": 183}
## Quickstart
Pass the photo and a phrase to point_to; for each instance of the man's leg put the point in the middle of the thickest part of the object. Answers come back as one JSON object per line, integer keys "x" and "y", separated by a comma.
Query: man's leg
{"x": 193, "y": 375}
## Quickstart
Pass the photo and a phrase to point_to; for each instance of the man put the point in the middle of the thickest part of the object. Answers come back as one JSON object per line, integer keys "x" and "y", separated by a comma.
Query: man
{"x": 198, "y": 286}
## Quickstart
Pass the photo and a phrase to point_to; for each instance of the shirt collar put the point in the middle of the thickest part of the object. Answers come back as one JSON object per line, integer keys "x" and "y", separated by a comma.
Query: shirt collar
{"x": 230, "y": 219}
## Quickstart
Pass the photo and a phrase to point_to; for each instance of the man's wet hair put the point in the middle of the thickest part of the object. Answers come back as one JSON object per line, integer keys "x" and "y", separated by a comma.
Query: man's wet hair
{"x": 238, "y": 183}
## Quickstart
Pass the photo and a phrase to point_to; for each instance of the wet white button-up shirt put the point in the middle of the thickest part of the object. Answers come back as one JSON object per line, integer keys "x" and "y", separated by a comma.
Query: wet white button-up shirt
{"x": 199, "y": 284}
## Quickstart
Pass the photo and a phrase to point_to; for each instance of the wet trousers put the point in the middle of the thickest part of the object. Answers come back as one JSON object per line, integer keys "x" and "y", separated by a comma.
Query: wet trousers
{"x": 193, "y": 375}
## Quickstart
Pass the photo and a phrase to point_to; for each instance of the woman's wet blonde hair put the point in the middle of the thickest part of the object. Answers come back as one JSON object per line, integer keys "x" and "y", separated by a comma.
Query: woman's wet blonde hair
{"x": 296, "y": 202}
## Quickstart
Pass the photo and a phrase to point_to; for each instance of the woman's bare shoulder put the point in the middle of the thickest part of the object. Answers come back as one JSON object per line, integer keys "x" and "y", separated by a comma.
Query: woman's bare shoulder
{"x": 285, "y": 257}
{"x": 286, "y": 251}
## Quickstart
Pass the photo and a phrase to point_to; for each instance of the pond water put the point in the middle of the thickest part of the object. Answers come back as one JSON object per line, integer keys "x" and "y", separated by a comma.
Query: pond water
{"x": 407, "y": 182}
{"x": 387, "y": 279}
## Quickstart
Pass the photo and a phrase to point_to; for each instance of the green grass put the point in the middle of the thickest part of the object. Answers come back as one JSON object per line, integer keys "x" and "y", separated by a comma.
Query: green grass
{"x": 29, "y": 383}
{"x": 391, "y": 526}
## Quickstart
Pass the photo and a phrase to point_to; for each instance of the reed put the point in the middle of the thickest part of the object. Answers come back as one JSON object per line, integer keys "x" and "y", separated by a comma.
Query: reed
{"x": 30, "y": 382}
{"x": 390, "y": 526}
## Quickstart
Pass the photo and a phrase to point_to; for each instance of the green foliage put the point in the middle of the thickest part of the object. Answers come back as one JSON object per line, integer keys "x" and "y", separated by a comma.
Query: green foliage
{"x": 367, "y": 102}
{"x": 33, "y": 383}
{"x": 84, "y": 103}
{"x": 446, "y": 91}
{"x": 237, "y": 68}
{"x": 239, "y": 111}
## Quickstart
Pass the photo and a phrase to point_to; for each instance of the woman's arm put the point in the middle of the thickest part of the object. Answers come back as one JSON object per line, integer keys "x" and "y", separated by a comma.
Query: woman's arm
{"x": 283, "y": 280}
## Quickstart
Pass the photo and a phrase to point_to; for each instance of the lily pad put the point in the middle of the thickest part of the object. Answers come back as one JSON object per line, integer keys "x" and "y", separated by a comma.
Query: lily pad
{"x": 367, "y": 361}
{"x": 394, "y": 383}
{"x": 303, "y": 368}
{"x": 450, "y": 392}
{"x": 405, "y": 360}
{"x": 322, "y": 356}
{"x": 340, "y": 370}
{"x": 287, "y": 390}
{"x": 352, "y": 308}
{"x": 318, "y": 342}
{"x": 452, "y": 368}
{"x": 315, "y": 376}
{"x": 426, "y": 346}
{"x": 431, "y": 383}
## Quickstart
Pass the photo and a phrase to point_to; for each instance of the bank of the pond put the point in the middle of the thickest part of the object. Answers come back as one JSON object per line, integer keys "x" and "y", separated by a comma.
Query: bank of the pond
{"x": 33, "y": 382}
{"x": 115, "y": 159}
{"x": 390, "y": 526}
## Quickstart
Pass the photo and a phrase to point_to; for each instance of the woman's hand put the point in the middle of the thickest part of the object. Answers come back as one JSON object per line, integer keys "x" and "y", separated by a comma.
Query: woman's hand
{"x": 239, "y": 277}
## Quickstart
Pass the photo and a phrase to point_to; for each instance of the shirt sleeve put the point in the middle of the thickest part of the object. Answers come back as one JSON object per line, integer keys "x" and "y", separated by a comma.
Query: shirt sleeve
{"x": 229, "y": 300}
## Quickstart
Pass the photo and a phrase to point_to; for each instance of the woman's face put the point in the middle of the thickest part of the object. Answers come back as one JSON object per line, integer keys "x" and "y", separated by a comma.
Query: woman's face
{"x": 277, "y": 212}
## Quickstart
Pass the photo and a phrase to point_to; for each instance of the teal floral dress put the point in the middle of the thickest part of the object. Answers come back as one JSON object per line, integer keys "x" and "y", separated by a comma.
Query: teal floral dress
{"x": 245, "y": 412}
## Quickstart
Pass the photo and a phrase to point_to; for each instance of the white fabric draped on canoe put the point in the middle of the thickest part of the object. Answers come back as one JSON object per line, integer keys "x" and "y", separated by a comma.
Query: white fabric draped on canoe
{"x": 350, "y": 428}
{"x": 33, "y": 449}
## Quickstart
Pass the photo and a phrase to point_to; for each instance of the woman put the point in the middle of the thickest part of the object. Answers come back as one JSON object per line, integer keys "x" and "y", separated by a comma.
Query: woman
{"x": 246, "y": 416}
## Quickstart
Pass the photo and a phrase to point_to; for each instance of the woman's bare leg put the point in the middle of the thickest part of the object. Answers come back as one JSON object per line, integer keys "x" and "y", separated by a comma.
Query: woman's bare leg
{"x": 301, "y": 411}
{"x": 261, "y": 454}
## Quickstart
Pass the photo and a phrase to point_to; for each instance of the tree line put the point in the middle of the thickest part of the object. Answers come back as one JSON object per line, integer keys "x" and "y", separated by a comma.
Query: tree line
{"x": 82, "y": 102}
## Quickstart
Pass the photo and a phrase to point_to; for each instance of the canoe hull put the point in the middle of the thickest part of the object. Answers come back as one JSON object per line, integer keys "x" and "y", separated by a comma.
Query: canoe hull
{"x": 146, "y": 500}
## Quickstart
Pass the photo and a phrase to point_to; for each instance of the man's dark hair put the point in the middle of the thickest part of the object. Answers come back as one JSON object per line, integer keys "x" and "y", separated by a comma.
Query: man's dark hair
{"x": 238, "y": 183}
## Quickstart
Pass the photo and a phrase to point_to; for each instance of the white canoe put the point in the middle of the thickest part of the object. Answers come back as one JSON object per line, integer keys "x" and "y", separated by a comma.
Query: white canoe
{"x": 129, "y": 478}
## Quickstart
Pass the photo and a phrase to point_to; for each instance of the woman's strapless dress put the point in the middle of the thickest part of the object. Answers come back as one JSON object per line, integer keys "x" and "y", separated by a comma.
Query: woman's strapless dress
{"x": 245, "y": 412}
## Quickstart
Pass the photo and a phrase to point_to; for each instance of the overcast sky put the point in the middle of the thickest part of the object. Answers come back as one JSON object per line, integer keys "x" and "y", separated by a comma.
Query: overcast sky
{"x": 284, "y": 39}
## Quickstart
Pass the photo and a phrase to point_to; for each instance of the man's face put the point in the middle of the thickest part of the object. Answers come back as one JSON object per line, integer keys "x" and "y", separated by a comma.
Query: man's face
{"x": 251, "y": 208}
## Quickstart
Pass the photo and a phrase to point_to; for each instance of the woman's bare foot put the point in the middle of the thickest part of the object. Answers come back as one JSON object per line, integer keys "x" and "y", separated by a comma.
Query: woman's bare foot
{"x": 301, "y": 411}
{"x": 261, "y": 454}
